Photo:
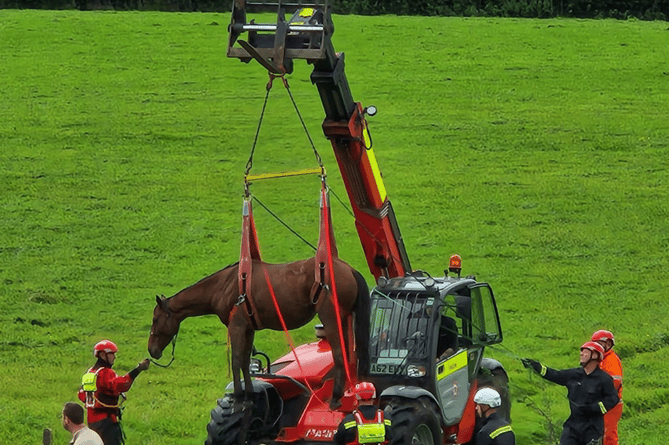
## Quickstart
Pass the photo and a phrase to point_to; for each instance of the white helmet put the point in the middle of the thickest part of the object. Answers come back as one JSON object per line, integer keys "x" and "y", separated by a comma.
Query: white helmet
{"x": 488, "y": 396}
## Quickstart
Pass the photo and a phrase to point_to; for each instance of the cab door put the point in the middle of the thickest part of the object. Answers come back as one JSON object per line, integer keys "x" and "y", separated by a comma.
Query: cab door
{"x": 486, "y": 328}
{"x": 479, "y": 327}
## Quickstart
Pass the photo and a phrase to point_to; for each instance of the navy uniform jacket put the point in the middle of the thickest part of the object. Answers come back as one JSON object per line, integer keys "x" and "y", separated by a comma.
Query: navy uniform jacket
{"x": 590, "y": 396}
{"x": 495, "y": 431}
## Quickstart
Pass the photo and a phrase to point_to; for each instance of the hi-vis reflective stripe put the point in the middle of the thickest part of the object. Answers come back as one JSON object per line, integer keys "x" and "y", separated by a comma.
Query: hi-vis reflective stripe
{"x": 602, "y": 408}
{"x": 543, "y": 370}
{"x": 458, "y": 361}
{"x": 376, "y": 172}
{"x": 498, "y": 431}
{"x": 350, "y": 424}
{"x": 89, "y": 382}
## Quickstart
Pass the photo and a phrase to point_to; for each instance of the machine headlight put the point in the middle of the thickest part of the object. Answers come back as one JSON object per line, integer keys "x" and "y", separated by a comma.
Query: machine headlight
{"x": 415, "y": 371}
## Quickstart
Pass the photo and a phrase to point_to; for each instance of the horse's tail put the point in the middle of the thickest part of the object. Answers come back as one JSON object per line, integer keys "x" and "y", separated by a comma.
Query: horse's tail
{"x": 362, "y": 320}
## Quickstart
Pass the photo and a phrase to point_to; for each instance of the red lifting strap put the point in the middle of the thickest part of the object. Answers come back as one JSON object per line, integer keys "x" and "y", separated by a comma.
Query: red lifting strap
{"x": 249, "y": 252}
{"x": 327, "y": 250}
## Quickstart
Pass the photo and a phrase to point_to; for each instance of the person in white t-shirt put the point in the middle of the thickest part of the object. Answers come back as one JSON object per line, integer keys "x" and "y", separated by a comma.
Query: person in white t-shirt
{"x": 73, "y": 421}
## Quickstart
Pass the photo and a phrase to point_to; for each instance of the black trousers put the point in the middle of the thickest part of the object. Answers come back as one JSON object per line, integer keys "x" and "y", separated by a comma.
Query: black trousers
{"x": 572, "y": 437}
{"x": 110, "y": 431}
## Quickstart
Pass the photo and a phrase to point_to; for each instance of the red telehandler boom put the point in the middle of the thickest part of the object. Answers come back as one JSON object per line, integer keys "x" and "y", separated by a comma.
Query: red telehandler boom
{"x": 427, "y": 334}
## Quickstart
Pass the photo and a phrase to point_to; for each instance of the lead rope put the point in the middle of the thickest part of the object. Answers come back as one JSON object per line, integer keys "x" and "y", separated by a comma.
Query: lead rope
{"x": 174, "y": 344}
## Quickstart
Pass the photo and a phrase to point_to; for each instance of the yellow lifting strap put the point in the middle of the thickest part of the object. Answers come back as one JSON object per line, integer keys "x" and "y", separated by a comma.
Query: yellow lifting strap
{"x": 306, "y": 171}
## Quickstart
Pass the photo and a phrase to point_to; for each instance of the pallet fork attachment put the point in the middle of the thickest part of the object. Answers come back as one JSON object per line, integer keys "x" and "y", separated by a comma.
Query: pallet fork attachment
{"x": 305, "y": 35}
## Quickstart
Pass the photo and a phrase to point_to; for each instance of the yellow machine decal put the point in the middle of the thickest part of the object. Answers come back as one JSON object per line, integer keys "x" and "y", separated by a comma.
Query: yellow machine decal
{"x": 458, "y": 361}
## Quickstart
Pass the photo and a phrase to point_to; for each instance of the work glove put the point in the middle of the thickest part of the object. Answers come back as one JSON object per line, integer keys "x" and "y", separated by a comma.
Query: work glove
{"x": 531, "y": 364}
{"x": 142, "y": 366}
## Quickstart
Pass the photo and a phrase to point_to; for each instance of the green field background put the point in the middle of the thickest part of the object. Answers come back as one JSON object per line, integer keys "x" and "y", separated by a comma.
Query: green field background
{"x": 536, "y": 149}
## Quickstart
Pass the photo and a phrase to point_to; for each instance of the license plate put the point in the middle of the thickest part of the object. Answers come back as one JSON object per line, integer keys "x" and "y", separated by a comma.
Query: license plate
{"x": 384, "y": 368}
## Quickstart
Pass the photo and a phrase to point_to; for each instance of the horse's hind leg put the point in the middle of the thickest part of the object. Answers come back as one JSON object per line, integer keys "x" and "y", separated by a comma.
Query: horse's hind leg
{"x": 332, "y": 334}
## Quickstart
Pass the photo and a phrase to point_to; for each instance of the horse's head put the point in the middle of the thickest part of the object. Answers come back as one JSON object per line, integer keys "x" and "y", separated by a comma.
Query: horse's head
{"x": 164, "y": 327}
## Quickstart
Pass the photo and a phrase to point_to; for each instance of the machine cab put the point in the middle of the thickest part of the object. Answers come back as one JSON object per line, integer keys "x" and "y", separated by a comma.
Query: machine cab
{"x": 430, "y": 333}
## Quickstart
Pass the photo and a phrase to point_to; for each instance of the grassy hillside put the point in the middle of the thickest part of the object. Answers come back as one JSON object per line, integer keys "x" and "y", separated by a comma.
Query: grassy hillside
{"x": 536, "y": 149}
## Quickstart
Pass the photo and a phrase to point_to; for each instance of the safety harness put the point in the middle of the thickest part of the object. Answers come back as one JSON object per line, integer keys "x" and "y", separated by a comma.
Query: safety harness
{"x": 250, "y": 250}
{"x": 89, "y": 384}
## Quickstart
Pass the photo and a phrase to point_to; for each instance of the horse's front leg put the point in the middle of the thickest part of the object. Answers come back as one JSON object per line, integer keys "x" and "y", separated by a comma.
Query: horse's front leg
{"x": 241, "y": 339}
{"x": 246, "y": 364}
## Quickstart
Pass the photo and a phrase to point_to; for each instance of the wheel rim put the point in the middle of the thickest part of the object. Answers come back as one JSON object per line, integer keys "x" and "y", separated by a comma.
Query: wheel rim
{"x": 422, "y": 436}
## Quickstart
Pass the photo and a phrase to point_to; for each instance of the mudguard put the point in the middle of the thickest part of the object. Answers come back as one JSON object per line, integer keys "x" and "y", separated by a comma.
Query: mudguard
{"x": 408, "y": 392}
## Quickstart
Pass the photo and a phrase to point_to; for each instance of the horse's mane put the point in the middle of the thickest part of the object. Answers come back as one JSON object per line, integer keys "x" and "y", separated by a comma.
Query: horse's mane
{"x": 203, "y": 279}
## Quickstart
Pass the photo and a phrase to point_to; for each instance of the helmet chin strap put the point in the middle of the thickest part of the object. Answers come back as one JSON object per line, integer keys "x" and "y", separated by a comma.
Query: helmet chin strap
{"x": 591, "y": 359}
{"x": 105, "y": 359}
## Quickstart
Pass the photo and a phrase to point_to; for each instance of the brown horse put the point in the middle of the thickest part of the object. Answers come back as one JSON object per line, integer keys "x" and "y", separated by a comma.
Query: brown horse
{"x": 294, "y": 286}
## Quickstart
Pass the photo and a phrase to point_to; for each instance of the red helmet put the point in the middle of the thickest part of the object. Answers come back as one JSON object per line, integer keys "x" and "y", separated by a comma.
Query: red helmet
{"x": 591, "y": 345}
{"x": 104, "y": 346}
{"x": 603, "y": 335}
{"x": 364, "y": 391}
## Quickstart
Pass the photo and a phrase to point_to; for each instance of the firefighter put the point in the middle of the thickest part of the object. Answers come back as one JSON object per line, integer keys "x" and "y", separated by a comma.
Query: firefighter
{"x": 494, "y": 430}
{"x": 101, "y": 389}
{"x": 367, "y": 423}
{"x": 590, "y": 392}
{"x": 613, "y": 367}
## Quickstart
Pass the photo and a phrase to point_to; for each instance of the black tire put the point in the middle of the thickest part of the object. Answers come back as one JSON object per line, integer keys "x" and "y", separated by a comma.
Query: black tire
{"x": 415, "y": 422}
{"x": 497, "y": 379}
{"x": 225, "y": 425}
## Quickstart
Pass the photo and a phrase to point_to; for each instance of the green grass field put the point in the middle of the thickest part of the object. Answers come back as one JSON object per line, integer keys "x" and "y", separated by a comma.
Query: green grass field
{"x": 536, "y": 149}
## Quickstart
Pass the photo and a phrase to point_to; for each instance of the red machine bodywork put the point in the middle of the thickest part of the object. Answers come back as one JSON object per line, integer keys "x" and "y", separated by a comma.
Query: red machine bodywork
{"x": 317, "y": 423}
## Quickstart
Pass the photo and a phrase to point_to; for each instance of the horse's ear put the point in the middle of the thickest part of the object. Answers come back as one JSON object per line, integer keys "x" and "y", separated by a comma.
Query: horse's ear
{"x": 158, "y": 301}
